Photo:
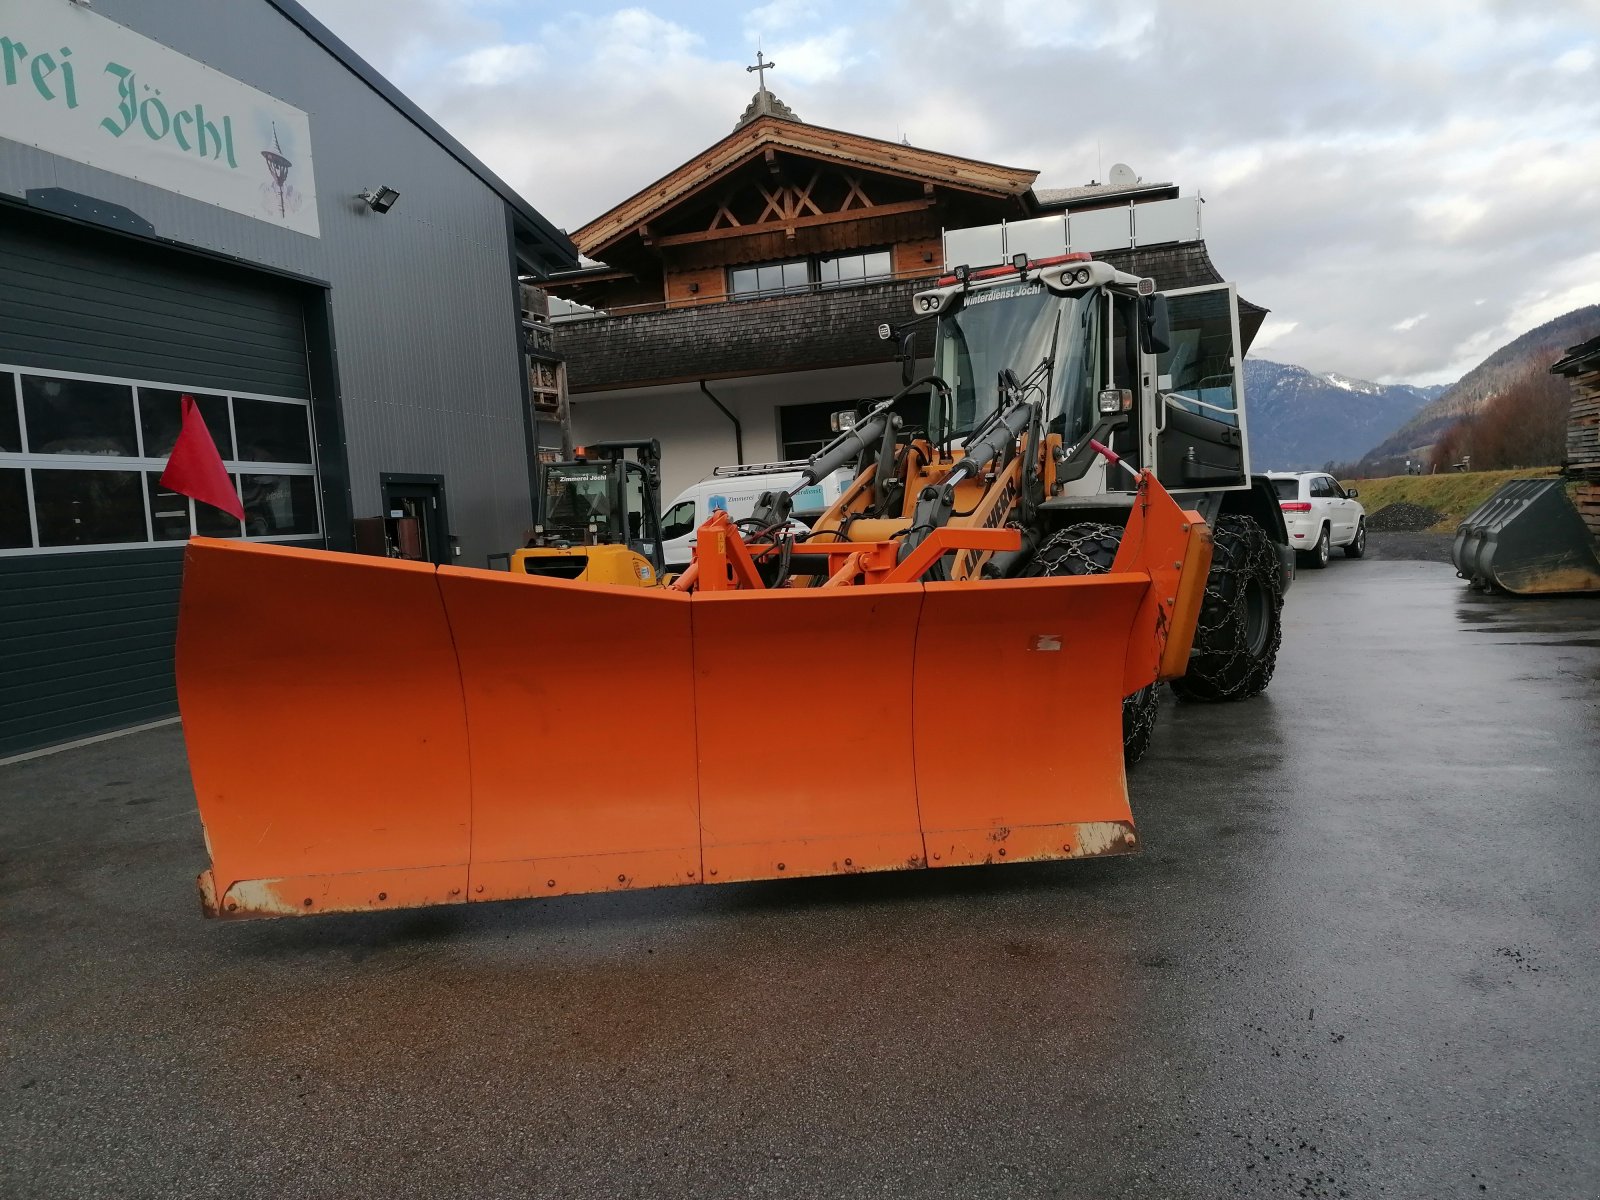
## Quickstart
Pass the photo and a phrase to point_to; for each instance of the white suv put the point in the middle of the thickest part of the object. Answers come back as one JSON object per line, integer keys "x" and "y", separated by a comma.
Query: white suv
{"x": 1320, "y": 515}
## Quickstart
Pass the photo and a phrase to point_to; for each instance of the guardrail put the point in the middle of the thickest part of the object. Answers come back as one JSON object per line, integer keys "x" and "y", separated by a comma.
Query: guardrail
{"x": 1124, "y": 227}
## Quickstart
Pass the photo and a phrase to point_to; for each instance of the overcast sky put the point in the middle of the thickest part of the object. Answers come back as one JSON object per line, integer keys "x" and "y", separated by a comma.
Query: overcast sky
{"x": 1406, "y": 184}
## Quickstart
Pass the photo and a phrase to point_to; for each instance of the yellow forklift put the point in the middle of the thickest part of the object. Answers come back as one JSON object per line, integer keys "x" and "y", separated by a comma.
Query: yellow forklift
{"x": 598, "y": 517}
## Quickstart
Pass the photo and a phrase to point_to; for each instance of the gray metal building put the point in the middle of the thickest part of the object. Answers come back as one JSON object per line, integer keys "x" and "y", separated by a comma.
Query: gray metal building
{"x": 349, "y": 362}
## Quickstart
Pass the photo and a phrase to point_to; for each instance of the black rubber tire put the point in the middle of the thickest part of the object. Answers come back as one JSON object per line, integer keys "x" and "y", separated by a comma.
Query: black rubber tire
{"x": 1138, "y": 722}
{"x": 1089, "y": 549}
{"x": 1358, "y": 544}
{"x": 1317, "y": 558}
{"x": 1241, "y": 618}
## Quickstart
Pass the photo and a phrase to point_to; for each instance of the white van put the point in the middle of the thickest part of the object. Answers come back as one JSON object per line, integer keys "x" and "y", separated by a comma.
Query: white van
{"x": 735, "y": 491}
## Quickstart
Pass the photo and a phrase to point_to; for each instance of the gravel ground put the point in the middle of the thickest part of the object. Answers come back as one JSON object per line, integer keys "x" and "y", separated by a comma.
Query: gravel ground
{"x": 1419, "y": 547}
{"x": 1403, "y": 516}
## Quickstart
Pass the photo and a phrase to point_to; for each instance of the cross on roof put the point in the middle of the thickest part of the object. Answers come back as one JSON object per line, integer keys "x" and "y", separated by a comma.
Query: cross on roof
{"x": 762, "y": 67}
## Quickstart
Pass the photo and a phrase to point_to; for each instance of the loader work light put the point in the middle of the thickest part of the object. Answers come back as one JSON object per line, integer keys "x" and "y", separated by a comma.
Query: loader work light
{"x": 1115, "y": 400}
{"x": 842, "y": 420}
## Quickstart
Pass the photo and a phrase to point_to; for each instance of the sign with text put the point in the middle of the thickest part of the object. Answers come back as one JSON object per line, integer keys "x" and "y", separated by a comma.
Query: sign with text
{"x": 78, "y": 85}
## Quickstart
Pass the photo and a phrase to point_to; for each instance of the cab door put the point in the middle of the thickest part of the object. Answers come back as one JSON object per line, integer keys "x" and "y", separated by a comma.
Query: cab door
{"x": 1197, "y": 434}
{"x": 678, "y": 525}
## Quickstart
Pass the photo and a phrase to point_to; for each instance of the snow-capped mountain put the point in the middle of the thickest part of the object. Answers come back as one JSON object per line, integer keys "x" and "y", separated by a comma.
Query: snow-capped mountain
{"x": 1300, "y": 420}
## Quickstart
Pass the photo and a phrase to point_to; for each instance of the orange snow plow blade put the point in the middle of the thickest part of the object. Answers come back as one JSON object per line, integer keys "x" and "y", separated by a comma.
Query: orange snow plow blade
{"x": 365, "y": 733}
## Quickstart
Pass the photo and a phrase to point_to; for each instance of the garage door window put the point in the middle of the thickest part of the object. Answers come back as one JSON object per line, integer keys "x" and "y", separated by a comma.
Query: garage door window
{"x": 78, "y": 416}
{"x": 10, "y": 424}
{"x": 16, "y": 532}
{"x": 88, "y": 508}
{"x": 81, "y": 459}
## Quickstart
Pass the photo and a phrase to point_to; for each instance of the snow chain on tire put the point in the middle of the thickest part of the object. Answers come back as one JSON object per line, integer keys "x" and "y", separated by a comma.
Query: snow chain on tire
{"x": 1227, "y": 662}
{"x": 1089, "y": 549}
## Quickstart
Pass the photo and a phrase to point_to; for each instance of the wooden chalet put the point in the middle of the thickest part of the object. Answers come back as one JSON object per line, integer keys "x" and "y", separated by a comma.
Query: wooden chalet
{"x": 765, "y": 264}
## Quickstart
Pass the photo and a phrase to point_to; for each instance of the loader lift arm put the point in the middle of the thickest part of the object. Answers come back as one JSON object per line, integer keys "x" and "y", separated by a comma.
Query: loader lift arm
{"x": 877, "y": 433}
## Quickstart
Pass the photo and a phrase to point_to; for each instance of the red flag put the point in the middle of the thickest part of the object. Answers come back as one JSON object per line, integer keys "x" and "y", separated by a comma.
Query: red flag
{"x": 195, "y": 468}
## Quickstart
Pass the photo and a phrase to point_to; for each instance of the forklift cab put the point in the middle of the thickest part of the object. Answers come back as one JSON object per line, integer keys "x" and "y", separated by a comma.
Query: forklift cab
{"x": 602, "y": 497}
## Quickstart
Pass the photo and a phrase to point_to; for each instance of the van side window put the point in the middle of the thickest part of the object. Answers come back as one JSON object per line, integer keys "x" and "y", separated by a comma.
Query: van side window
{"x": 678, "y": 521}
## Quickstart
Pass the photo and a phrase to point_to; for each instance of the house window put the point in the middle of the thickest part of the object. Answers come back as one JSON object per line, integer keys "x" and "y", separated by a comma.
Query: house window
{"x": 804, "y": 274}
{"x": 81, "y": 459}
{"x": 844, "y": 270}
{"x": 769, "y": 279}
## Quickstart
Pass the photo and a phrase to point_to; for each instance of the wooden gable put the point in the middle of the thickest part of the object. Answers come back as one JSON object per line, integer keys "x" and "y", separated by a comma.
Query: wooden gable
{"x": 752, "y": 194}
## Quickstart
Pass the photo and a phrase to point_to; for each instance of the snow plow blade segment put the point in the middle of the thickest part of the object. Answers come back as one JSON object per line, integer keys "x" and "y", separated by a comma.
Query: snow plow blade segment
{"x": 580, "y": 716}
{"x": 366, "y": 734}
{"x": 1527, "y": 539}
{"x": 322, "y": 711}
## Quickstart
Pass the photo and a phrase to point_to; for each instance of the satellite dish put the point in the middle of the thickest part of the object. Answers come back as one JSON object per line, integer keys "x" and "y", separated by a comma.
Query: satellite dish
{"x": 1122, "y": 175}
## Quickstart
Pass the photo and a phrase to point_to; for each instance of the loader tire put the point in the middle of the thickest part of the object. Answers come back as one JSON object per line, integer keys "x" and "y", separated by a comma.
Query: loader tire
{"x": 1241, "y": 618}
{"x": 1089, "y": 549}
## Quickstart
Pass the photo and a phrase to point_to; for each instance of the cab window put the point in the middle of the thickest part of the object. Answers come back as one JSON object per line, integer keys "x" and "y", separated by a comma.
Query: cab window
{"x": 678, "y": 521}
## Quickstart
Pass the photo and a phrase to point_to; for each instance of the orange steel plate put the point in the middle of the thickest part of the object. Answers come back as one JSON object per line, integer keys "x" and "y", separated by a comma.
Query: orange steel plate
{"x": 839, "y": 664}
{"x": 326, "y": 737}
{"x": 1018, "y": 705}
{"x": 580, "y": 710}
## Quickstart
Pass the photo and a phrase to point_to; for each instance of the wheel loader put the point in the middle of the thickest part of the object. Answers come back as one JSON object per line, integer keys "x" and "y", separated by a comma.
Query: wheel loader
{"x": 1083, "y": 358}
{"x": 1073, "y": 523}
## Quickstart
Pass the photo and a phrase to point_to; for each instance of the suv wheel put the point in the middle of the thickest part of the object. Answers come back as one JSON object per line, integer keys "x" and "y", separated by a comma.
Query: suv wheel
{"x": 1317, "y": 557}
{"x": 1358, "y": 544}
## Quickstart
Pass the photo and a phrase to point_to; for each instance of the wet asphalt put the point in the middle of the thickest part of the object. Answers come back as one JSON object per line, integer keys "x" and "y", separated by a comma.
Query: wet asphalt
{"x": 1357, "y": 957}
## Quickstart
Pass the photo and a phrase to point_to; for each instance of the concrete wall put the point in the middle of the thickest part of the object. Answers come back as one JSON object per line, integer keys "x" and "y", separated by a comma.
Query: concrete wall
{"x": 696, "y": 438}
{"x": 423, "y": 297}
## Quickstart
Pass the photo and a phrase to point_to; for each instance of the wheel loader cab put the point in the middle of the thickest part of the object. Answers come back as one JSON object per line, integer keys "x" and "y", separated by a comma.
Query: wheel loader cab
{"x": 1153, "y": 376}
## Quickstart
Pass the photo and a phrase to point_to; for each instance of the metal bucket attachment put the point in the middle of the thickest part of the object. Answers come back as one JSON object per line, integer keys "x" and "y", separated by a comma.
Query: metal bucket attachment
{"x": 1527, "y": 539}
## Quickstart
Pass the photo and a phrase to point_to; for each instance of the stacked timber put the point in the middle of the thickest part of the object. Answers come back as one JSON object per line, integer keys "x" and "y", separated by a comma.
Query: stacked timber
{"x": 1581, "y": 366}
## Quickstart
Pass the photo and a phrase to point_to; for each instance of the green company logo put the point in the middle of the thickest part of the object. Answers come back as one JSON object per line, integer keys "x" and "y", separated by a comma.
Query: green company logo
{"x": 54, "y": 78}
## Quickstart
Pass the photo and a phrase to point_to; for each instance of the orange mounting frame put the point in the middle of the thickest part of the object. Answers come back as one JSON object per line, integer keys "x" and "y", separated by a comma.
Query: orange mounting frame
{"x": 725, "y": 562}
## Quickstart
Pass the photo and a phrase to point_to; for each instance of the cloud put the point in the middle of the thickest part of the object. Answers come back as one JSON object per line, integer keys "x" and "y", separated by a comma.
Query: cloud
{"x": 816, "y": 59}
{"x": 1273, "y": 331}
{"x": 1363, "y": 163}
{"x": 779, "y": 16}
{"x": 496, "y": 65}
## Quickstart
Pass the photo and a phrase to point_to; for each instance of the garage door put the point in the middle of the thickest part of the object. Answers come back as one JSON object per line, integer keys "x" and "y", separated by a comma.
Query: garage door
{"x": 99, "y": 338}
